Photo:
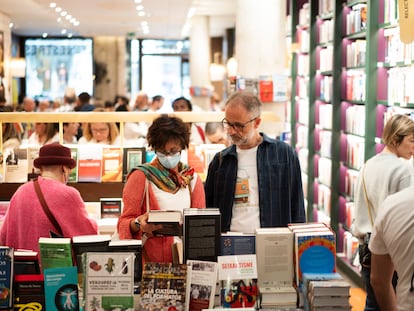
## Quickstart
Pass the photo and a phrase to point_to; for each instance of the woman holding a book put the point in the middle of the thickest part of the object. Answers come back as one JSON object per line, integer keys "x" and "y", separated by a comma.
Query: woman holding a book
{"x": 165, "y": 183}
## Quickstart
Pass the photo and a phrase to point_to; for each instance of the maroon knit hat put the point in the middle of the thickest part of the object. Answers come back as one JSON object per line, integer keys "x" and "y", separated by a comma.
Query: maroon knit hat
{"x": 54, "y": 154}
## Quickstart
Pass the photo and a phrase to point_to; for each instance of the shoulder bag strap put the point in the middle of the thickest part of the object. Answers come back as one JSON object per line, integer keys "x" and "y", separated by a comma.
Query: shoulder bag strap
{"x": 147, "y": 208}
{"x": 367, "y": 201}
{"x": 48, "y": 213}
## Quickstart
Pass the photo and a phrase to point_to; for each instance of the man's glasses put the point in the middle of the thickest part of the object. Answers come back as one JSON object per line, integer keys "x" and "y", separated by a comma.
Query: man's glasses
{"x": 236, "y": 126}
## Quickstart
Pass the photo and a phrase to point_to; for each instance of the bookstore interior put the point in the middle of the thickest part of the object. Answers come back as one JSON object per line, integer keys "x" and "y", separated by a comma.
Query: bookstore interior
{"x": 349, "y": 68}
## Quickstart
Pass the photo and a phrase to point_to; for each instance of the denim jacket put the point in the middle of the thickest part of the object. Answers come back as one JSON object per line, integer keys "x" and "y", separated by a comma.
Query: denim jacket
{"x": 280, "y": 184}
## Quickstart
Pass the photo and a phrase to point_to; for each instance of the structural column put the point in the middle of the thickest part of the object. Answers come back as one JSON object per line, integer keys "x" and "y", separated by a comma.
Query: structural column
{"x": 261, "y": 45}
{"x": 200, "y": 57}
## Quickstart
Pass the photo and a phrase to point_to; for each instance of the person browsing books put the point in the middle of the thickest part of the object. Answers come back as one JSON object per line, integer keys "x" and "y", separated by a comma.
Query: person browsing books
{"x": 256, "y": 182}
{"x": 384, "y": 174}
{"x": 26, "y": 220}
{"x": 163, "y": 184}
{"x": 392, "y": 247}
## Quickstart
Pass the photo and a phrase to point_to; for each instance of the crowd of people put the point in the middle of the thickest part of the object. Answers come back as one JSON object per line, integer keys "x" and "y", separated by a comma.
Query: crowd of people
{"x": 237, "y": 183}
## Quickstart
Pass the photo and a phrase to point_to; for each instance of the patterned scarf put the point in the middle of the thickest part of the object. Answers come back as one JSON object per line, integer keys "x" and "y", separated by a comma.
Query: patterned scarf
{"x": 166, "y": 179}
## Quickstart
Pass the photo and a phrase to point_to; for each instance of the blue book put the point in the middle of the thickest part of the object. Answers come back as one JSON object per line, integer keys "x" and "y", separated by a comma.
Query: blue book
{"x": 235, "y": 243}
{"x": 61, "y": 289}
{"x": 6, "y": 277}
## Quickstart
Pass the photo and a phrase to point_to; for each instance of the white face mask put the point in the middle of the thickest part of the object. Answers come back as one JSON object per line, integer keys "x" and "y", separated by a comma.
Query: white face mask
{"x": 169, "y": 161}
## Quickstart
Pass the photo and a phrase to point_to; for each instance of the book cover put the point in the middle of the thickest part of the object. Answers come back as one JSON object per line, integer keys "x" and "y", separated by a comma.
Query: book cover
{"x": 169, "y": 219}
{"x": 111, "y": 207}
{"x": 55, "y": 252}
{"x": 112, "y": 164}
{"x": 26, "y": 262}
{"x": 201, "y": 233}
{"x": 163, "y": 286}
{"x": 73, "y": 175}
{"x": 132, "y": 157}
{"x": 237, "y": 243}
{"x": 274, "y": 252}
{"x": 315, "y": 252}
{"x": 15, "y": 165}
{"x": 201, "y": 284}
{"x": 6, "y": 277}
{"x": 135, "y": 246}
{"x": 32, "y": 153}
{"x": 89, "y": 163}
{"x": 28, "y": 292}
{"x": 238, "y": 281}
{"x": 89, "y": 243}
{"x": 61, "y": 289}
{"x": 109, "y": 280}
{"x": 329, "y": 288}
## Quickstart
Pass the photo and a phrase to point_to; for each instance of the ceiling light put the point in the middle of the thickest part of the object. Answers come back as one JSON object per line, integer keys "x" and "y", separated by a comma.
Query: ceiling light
{"x": 52, "y": 5}
{"x": 63, "y": 31}
{"x": 141, "y": 13}
{"x": 68, "y": 17}
{"x": 76, "y": 23}
{"x": 70, "y": 35}
{"x": 191, "y": 12}
{"x": 44, "y": 35}
{"x": 59, "y": 19}
{"x": 11, "y": 25}
{"x": 138, "y": 1}
{"x": 144, "y": 23}
{"x": 63, "y": 13}
{"x": 140, "y": 7}
{"x": 58, "y": 9}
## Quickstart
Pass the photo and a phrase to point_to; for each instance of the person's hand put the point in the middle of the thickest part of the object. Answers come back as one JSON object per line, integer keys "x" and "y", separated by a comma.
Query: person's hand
{"x": 148, "y": 228}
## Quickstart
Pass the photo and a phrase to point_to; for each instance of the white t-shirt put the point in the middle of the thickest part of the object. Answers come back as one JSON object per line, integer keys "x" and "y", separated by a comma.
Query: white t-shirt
{"x": 246, "y": 213}
{"x": 393, "y": 234}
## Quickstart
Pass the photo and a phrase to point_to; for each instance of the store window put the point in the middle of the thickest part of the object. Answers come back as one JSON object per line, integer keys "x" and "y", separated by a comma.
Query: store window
{"x": 159, "y": 67}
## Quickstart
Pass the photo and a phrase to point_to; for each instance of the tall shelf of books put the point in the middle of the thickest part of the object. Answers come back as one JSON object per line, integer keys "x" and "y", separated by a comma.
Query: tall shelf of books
{"x": 352, "y": 73}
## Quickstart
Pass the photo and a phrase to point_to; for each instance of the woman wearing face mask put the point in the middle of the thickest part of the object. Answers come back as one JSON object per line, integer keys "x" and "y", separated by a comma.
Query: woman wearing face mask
{"x": 26, "y": 221}
{"x": 171, "y": 185}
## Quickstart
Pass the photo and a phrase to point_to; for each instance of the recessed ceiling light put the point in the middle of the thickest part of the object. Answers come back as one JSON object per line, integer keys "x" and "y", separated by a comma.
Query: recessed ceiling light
{"x": 52, "y": 5}
{"x": 63, "y": 31}
{"x": 58, "y": 9}
{"x": 140, "y": 7}
{"x": 11, "y": 25}
{"x": 141, "y": 13}
{"x": 44, "y": 35}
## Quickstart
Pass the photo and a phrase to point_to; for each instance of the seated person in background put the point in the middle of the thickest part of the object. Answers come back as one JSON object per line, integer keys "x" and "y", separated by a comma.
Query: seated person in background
{"x": 171, "y": 185}
{"x": 197, "y": 136}
{"x": 70, "y": 131}
{"x": 215, "y": 133}
{"x": 44, "y": 133}
{"x": 10, "y": 135}
{"x": 100, "y": 133}
{"x": 26, "y": 221}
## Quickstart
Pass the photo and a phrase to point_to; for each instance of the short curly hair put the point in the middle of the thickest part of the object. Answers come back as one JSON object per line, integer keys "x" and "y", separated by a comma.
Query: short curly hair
{"x": 164, "y": 129}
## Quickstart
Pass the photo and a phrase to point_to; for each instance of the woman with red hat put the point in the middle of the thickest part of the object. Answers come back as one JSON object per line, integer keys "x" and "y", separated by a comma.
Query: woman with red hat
{"x": 26, "y": 219}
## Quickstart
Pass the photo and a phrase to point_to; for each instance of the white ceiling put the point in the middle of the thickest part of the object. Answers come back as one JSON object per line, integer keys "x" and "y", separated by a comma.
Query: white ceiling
{"x": 166, "y": 18}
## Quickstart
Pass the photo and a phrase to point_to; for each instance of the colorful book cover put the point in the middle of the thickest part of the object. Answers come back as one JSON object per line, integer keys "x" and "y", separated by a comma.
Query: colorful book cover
{"x": 163, "y": 286}
{"x": 61, "y": 289}
{"x": 112, "y": 164}
{"x": 6, "y": 277}
{"x": 89, "y": 163}
{"x": 238, "y": 281}
{"x": 32, "y": 153}
{"x": 29, "y": 292}
{"x": 109, "y": 280}
{"x": 15, "y": 165}
{"x": 315, "y": 252}
{"x": 111, "y": 207}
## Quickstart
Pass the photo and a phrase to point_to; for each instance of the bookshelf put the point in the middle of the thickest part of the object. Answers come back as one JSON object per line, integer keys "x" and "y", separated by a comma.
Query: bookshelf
{"x": 92, "y": 192}
{"x": 359, "y": 73}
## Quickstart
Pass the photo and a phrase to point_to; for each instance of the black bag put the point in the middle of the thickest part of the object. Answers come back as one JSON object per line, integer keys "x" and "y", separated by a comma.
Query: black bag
{"x": 364, "y": 252}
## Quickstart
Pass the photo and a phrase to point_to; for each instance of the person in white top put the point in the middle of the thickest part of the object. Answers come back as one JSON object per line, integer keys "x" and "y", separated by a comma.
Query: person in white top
{"x": 44, "y": 133}
{"x": 384, "y": 174}
{"x": 392, "y": 247}
{"x": 100, "y": 133}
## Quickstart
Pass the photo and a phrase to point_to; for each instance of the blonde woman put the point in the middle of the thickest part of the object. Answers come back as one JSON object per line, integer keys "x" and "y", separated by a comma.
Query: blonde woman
{"x": 104, "y": 133}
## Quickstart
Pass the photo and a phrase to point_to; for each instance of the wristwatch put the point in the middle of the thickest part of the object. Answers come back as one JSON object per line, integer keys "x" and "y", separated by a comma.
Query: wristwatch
{"x": 137, "y": 223}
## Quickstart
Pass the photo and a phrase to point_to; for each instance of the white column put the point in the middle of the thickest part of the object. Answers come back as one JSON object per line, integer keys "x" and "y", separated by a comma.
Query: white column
{"x": 200, "y": 57}
{"x": 260, "y": 47}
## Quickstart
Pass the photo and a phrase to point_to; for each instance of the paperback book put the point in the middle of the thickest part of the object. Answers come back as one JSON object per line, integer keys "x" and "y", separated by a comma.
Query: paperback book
{"x": 55, "y": 252}
{"x": 28, "y": 291}
{"x": 132, "y": 157}
{"x": 111, "y": 164}
{"x": 163, "y": 286}
{"x": 169, "y": 219}
{"x": 109, "y": 280}
{"x": 6, "y": 277}
{"x": 89, "y": 163}
{"x": 238, "y": 281}
{"x": 111, "y": 207}
{"x": 61, "y": 289}
{"x": 237, "y": 243}
{"x": 201, "y": 285}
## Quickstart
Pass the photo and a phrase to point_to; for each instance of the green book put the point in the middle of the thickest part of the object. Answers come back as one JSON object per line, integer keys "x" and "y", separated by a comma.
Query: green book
{"x": 55, "y": 252}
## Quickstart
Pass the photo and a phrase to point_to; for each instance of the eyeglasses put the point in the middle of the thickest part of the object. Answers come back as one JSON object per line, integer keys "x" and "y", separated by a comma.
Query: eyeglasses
{"x": 236, "y": 126}
{"x": 168, "y": 154}
{"x": 102, "y": 130}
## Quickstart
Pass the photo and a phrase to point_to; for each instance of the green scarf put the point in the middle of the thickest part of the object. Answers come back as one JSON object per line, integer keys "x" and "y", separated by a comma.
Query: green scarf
{"x": 166, "y": 179}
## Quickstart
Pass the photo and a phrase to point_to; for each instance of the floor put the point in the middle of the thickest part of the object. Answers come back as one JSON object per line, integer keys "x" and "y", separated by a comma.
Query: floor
{"x": 357, "y": 299}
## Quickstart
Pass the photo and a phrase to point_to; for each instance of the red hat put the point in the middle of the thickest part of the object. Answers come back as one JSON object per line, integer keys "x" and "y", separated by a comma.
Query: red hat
{"x": 54, "y": 154}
